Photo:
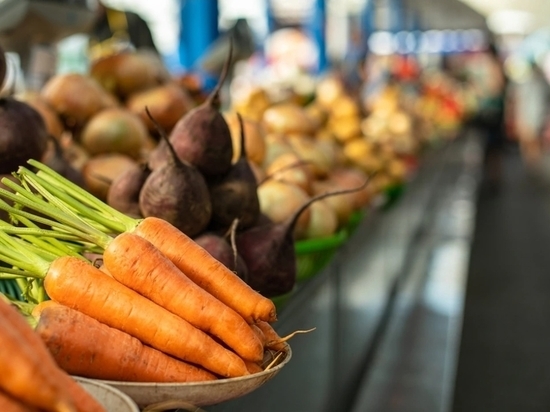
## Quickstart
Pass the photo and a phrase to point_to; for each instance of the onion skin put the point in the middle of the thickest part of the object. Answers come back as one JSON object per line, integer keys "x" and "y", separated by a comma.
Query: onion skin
{"x": 75, "y": 97}
{"x": 23, "y": 135}
{"x": 114, "y": 130}
{"x": 166, "y": 103}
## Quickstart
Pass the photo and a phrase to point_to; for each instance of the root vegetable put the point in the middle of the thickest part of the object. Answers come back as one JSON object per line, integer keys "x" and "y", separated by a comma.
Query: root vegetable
{"x": 100, "y": 171}
{"x": 23, "y": 134}
{"x": 235, "y": 195}
{"x": 158, "y": 279}
{"x": 222, "y": 251}
{"x": 201, "y": 137}
{"x": 167, "y": 104}
{"x": 55, "y": 158}
{"x": 185, "y": 253}
{"x": 75, "y": 97}
{"x": 269, "y": 253}
{"x": 83, "y": 346}
{"x": 254, "y": 140}
{"x": 71, "y": 392}
{"x": 177, "y": 192}
{"x": 287, "y": 118}
{"x": 124, "y": 191}
{"x": 114, "y": 130}
{"x": 280, "y": 200}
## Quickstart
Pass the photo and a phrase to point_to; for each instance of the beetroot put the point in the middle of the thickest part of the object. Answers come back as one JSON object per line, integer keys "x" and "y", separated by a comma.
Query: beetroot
{"x": 201, "y": 137}
{"x": 177, "y": 192}
{"x": 3, "y": 67}
{"x": 269, "y": 254}
{"x": 220, "y": 249}
{"x": 124, "y": 191}
{"x": 23, "y": 134}
{"x": 55, "y": 158}
{"x": 235, "y": 195}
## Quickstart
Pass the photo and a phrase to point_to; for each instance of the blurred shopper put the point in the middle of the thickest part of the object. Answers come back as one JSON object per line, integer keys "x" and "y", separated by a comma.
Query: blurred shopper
{"x": 531, "y": 103}
{"x": 491, "y": 88}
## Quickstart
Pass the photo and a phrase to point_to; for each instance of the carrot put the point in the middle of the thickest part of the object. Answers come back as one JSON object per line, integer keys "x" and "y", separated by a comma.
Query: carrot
{"x": 206, "y": 271}
{"x": 83, "y": 401}
{"x": 271, "y": 338}
{"x": 25, "y": 376}
{"x": 86, "y": 347}
{"x": 65, "y": 201}
{"x": 253, "y": 367}
{"x": 136, "y": 263}
{"x": 9, "y": 404}
{"x": 83, "y": 287}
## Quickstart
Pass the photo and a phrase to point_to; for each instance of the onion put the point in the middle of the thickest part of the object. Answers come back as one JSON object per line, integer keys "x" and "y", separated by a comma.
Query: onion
{"x": 167, "y": 104}
{"x": 115, "y": 130}
{"x": 289, "y": 168}
{"x": 255, "y": 137}
{"x": 279, "y": 201}
{"x": 75, "y": 97}
{"x": 323, "y": 221}
{"x": 101, "y": 170}
{"x": 288, "y": 118}
{"x": 128, "y": 72}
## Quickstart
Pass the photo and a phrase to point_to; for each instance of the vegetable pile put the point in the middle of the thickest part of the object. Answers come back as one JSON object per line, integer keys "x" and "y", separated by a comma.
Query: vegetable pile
{"x": 31, "y": 380}
{"x": 175, "y": 313}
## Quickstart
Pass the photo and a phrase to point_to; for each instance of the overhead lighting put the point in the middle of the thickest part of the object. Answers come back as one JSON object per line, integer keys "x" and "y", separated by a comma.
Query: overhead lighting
{"x": 510, "y": 21}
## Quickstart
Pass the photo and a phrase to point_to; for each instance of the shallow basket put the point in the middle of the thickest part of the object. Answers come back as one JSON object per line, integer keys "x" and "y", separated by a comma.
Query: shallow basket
{"x": 109, "y": 397}
{"x": 168, "y": 396}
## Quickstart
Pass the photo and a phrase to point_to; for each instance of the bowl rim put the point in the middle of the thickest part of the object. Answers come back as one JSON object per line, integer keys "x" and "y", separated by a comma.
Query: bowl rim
{"x": 216, "y": 382}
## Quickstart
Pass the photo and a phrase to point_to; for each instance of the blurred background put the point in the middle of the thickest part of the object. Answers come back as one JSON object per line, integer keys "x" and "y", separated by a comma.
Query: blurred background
{"x": 438, "y": 298}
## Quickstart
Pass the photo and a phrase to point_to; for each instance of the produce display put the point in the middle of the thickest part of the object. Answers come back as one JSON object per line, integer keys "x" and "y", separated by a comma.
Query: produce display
{"x": 150, "y": 233}
{"x": 31, "y": 380}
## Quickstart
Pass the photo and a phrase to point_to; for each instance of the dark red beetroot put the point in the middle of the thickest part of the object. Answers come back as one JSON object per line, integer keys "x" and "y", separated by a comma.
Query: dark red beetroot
{"x": 55, "y": 158}
{"x": 124, "y": 191}
{"x": 23, "y": 134}
{"x": 177, "y": 192}
{"x": 3, "y": 67}
{"x": 235, "y": 196}
{"x": 221, "y": 250}
{"x": 269, "y": 254}
{"x": 201, "y": 137}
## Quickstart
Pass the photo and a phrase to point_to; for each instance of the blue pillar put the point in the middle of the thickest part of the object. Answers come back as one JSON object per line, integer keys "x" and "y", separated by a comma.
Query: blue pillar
{"x": 367, "y": 23}
{"x": 199, "y": 28}
{"x": 316, "y": 28}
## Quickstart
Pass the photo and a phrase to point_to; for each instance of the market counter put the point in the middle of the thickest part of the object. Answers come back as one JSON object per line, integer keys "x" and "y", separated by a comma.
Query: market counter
{"x": 349, "y": 301}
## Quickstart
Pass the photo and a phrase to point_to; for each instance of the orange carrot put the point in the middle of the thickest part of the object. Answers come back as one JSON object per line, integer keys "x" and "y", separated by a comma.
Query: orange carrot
{"x": 81, "y": 286}
{"x": 9, "y": 404}
{"x": 253, "y": 367}
{"x": 25, "y": 377}
{"x": 86, "y": 347}
{"x": 136, "y": 263}
{"x": 82, "y": 400}
{"x": 206, "y": 271}
{"x": 272, "y": 340}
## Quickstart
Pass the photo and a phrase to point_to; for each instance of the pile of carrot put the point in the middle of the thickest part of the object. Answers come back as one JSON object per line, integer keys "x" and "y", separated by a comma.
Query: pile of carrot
{"x": 161, "y": 309}
{"x": 31, "y": 380}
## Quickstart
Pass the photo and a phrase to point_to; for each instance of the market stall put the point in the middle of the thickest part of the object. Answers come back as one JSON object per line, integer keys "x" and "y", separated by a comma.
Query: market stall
{"x": 249, "y": 227}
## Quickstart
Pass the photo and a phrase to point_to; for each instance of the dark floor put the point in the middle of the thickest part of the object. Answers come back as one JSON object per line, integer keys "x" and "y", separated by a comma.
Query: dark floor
{"x": 504, "y": 360}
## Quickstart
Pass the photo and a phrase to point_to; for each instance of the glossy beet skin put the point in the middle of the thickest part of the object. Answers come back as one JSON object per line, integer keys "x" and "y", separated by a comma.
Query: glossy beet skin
{"x": 23, "y": 135}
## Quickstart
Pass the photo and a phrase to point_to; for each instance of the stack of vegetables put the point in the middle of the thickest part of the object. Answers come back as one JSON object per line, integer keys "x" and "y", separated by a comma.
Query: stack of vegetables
{"x": 158, "y": 309}
{"x": 31, "y": 380}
